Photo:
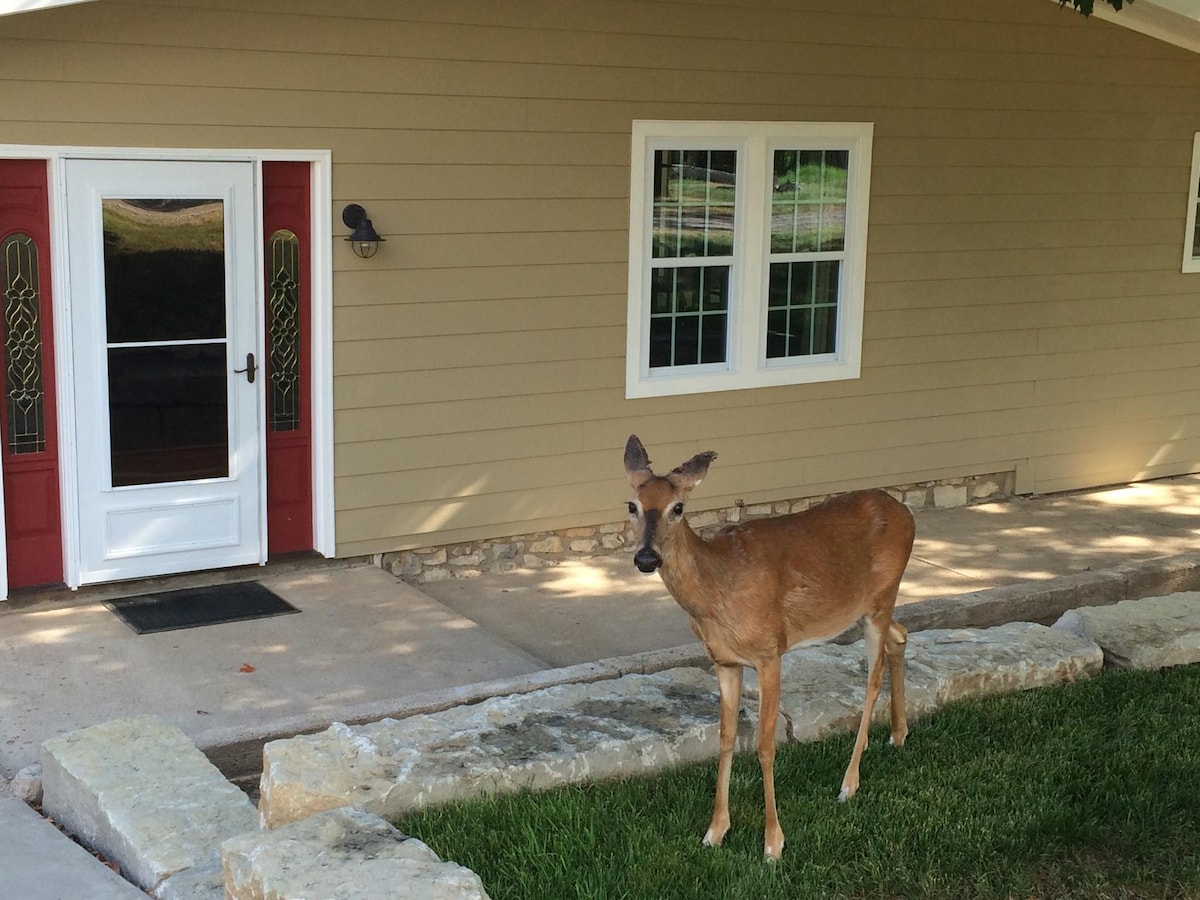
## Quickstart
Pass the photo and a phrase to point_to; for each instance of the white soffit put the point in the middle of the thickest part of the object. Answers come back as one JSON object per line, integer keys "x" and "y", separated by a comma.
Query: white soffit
{"x": 9, "y": 7}
{"x": 1174, "y": 21}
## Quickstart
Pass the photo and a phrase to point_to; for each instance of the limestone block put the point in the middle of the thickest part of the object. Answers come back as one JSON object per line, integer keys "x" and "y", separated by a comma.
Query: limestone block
{"x": 342, "y": 853}
{"x": 434, "y": 575}
{"x": 948, "y": 496}
{"x": 27, "y": 784}
{"x": 557, "y": 735}
{"x": 140, "y": 792}
{"x": 202, "y": 882}
{"x": 551, "y": 544}
{"x": 824, "y": 686}
{"x": 1150, "y": 633}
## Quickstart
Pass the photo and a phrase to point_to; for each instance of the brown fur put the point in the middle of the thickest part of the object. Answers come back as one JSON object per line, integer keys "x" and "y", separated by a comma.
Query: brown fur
{"x": 757, "y": 589}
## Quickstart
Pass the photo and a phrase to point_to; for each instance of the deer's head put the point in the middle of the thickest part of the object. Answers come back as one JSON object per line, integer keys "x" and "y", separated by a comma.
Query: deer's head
{"x": 658, "y": 500}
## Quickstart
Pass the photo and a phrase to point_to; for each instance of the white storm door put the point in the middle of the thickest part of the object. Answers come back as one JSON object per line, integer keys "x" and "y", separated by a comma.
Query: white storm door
{"x": 163, "y": 311}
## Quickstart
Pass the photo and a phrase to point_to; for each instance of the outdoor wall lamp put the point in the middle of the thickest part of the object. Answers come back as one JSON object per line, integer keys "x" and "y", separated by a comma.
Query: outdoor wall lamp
{"x": 364, "y": 240}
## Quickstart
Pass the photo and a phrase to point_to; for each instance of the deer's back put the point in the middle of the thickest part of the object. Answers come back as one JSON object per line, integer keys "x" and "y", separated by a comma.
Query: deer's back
{"x": 823, "y": 565}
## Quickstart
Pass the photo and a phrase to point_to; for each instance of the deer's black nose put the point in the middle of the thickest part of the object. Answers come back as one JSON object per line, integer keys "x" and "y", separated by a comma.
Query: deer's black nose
{"x": 647, "y": 560}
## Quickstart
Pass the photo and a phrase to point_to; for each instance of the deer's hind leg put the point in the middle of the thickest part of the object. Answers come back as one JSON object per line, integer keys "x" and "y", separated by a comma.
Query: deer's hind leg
{"x": 873, "y": 637}
{"x": 894, "y": 642}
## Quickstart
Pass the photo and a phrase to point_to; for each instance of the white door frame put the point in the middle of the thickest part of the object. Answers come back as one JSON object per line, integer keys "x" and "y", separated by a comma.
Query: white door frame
{"x": 322, "y": 325}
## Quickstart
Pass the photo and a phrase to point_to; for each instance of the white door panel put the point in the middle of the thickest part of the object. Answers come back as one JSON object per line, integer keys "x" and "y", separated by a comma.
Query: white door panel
{"x": 163, "y": 311}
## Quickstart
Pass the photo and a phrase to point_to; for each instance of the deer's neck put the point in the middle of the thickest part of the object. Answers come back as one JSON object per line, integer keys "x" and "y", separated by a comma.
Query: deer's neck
{"x": 691, "y": 571}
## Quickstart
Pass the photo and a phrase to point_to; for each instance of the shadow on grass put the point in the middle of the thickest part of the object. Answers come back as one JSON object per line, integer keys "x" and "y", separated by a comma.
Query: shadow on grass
{"x": 1088, "y": 790}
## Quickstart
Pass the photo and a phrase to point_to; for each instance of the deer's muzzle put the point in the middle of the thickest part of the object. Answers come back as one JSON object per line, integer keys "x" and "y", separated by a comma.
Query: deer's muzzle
{"x": 647, "y": 560}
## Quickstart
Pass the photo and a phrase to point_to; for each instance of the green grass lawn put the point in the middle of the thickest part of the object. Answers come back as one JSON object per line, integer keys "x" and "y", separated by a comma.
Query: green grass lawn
{"x": 1088, "y": 790}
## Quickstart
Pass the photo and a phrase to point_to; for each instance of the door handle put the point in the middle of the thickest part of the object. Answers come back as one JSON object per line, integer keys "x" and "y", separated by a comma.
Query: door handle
{"x": 250, "y": 369}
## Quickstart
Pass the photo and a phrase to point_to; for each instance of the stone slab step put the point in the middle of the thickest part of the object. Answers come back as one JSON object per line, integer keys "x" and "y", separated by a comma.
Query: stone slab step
{"x": 558, "y": 735}
{"x": 38, "y": 860}
{"x": 139, "y": 791}
{"x": 824, "y": 686}
{"x": 342, "y": 853}
{"x": 1151, "y": 633}
{"x": 634, "y": 724}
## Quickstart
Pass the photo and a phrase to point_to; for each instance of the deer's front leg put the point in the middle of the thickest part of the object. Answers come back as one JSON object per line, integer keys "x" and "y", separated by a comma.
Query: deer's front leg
{"x": 729, "y": 682}
{"x": 768, "y": 711}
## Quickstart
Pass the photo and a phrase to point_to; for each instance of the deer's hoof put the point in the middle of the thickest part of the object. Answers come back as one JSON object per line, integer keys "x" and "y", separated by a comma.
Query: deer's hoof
{"x": 846, "y": 793}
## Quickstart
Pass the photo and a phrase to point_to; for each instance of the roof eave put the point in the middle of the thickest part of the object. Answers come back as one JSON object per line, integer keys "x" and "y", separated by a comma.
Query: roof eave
{"x": 1154, "y": 21}
{"x": 12, "y": 7}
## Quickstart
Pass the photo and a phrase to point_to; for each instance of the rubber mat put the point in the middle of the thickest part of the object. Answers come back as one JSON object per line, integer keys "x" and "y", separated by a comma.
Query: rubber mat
{"x": 197, "y": 607}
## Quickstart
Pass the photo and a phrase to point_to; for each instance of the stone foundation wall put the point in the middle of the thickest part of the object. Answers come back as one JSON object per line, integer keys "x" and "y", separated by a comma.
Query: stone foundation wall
{"x": 549, "y": 548}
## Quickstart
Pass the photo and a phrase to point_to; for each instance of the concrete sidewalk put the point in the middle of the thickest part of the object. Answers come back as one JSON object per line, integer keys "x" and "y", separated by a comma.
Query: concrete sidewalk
{"x": 367, "y": 645}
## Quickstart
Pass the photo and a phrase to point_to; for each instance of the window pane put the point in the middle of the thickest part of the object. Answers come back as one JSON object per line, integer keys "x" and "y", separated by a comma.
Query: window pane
{"x": 694, "y": 196}
{"x": 824, "y": 337}
{"x": 164, "y": 269}
{"x": 167, "y": 411}
{"x": 1196, "y": 236}
{"x": 687, "y": 340}
{"x": 687, "y": 290}
{"x": 689, "y": 322}
{"x": 660, "y": 342}
{"x": 802, "y": 319}
{"x": 714, "y": 330}
{"x": 808, "y": 206}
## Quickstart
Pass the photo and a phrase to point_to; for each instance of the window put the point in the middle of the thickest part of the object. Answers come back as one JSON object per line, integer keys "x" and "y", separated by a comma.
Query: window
{"x": 747, "y": 254}
{"x": 1191, "y": 240}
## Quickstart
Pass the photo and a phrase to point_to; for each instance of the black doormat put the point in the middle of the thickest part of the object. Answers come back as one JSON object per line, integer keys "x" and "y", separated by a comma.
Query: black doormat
{"x": 193, "y": 607}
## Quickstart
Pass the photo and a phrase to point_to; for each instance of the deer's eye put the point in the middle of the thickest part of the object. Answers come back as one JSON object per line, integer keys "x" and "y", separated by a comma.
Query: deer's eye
{"x": 632, "y": 508}
{"x": 677, "y": 509}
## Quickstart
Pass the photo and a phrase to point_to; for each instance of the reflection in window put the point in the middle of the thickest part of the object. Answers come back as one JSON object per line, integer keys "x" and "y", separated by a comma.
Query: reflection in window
{"x": 695, "y": 195}
{"x": 808, "y": 242}
{"x": 164, "y": 269}
{"x": 24, "y": 387}
{"x": 283, "y": 411}
{"x": 164, "y": 280}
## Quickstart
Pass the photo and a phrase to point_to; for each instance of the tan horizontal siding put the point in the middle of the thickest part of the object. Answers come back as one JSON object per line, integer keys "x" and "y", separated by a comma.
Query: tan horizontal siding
{"x": 1024, "y": 305}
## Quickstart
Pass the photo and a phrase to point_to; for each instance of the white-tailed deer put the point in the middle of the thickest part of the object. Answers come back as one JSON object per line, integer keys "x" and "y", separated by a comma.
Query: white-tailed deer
{"x": 758, "y": 589}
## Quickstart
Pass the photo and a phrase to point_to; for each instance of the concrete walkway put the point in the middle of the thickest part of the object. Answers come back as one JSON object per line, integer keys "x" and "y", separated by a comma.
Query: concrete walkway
{"x": 366, "y": 645}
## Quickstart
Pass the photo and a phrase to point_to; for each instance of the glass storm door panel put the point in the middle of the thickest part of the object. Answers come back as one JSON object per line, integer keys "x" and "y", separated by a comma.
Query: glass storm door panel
{"x": 164, "y": 323}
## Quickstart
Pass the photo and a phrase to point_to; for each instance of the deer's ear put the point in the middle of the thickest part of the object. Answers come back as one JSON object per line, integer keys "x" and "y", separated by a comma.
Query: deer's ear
{"x": 689, "y": 474}
{"x": 637, "y": 463}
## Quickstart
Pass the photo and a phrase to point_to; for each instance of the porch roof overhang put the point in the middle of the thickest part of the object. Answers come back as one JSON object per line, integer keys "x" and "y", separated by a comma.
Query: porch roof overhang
{"x": 1173, "y": 21}
{"x": 9, "y": 7}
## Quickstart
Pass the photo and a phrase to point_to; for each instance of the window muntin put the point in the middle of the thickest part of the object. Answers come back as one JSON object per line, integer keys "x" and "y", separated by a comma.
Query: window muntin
{"x": 747, "y": 254}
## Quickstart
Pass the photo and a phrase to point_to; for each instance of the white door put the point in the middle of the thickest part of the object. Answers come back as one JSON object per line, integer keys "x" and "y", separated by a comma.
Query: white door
{"x": 163, "y": 314}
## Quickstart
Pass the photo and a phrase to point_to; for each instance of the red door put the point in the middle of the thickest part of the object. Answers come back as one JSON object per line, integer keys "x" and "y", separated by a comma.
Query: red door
{"x": 32, "y": 513}
{"x": 286, "y": 242}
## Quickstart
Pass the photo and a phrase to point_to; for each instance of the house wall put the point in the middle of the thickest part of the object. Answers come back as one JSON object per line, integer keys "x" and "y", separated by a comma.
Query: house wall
{"x": 1025, "y": 311}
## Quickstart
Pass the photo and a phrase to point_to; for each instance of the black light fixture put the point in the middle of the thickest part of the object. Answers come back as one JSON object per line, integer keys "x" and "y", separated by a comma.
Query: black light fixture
{"x": 364, "y": 240}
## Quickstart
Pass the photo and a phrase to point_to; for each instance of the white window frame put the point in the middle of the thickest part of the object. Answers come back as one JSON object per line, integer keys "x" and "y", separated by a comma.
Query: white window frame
{"x": 746, "y": 365}
{"x": 1191, "y": 252}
